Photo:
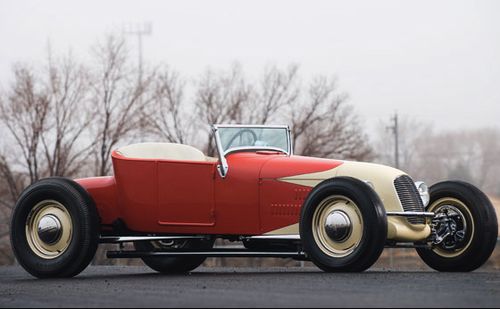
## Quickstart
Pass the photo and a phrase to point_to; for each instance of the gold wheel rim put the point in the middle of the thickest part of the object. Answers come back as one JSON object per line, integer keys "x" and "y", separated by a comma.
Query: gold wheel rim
{"x": 51, "y": 218}
{"x": 465, "y": 212}
{"x": 337, "y": 204}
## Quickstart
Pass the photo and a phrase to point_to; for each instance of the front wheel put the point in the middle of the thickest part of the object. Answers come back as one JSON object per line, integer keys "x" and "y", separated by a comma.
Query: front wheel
{"x": 343, "y": 225}
{"x": 465, "y": 228}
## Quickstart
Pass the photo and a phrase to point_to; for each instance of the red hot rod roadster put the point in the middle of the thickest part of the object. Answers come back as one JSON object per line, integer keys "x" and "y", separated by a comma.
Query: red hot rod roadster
{"x": 172, "y": 202}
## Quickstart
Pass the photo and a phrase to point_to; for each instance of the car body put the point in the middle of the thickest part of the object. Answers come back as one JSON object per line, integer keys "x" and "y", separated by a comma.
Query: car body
{"x": 172, "y": 201}
{"x": 262, "y": 193}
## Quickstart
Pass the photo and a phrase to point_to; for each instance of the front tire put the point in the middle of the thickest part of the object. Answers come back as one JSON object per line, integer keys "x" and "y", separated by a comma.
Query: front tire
{"x": 343, "y": 225}
{"x": 55, "y": 228}
{"x": 465, "y": 225}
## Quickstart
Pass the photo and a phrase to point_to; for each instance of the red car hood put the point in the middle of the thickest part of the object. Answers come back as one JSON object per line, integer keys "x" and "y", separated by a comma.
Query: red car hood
{"x": 286, "y": 166}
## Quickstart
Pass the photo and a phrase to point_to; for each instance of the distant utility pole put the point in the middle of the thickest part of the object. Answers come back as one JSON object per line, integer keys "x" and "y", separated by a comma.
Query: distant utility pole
{"x": 395, "y": 130}
{"x": 139, "y": 30}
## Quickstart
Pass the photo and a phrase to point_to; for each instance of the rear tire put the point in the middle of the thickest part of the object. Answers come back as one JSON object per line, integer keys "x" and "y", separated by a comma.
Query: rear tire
{"x": 55, "y": 228}
{"x": 173, "y": 265}
{"x": 473, "y": 218}
{"x": 343, "y": 225}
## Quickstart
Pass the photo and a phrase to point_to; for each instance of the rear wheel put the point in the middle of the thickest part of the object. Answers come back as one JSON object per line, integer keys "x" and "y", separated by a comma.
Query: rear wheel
{"x": 55, "y": 228}
{"x": 465, "y": 227}
{"x": 173, "y": 265}
{"x": 343, "y": 225}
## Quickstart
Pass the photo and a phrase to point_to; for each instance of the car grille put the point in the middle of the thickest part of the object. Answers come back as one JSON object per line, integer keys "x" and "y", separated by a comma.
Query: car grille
{"x": 409, "y": 197}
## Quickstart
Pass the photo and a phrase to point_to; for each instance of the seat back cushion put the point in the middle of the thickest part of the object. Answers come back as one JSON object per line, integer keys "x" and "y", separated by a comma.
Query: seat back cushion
{"x": 164, "y": 151}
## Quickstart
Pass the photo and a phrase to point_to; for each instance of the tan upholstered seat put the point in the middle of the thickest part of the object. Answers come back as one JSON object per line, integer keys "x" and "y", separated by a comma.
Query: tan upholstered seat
{"x": 165, "y": 151}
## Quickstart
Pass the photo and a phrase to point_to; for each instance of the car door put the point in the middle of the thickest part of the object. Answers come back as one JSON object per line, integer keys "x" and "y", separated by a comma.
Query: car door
{"x": 186, "y": 193}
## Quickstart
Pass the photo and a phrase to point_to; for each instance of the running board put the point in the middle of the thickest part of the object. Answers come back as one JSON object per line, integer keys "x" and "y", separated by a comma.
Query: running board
{"x": 234, "y": 253}
{"x": 123, "y": 239}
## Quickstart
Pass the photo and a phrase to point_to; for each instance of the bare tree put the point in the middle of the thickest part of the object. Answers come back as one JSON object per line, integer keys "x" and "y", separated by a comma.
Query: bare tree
{"x": 486, "y": 145}
{"x": 65, "y": 150}
{"x": 45, "y": 115}
{"x": 118, "y": 99}
{"x": 222, "y": 98}
{"x": 24, "y": 114}
{"x": 12, "y": 185}
{"x": 469, "y": 155}
{"x": 277, "y": 90}
{"x": 324, "y": 125}
{"x": 168, "y": 117}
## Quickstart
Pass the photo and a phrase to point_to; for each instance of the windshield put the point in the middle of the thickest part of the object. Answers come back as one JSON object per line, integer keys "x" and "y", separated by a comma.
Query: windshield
{"x": 258, "y": 137}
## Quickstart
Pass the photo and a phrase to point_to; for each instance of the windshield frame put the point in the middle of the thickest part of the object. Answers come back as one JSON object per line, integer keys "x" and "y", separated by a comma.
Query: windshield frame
{"x": 223, "y": 166}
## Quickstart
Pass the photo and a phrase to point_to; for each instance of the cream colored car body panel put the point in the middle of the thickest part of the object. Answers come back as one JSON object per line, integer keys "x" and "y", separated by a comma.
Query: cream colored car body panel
{"x": 381, "y": 178}
{"x": 288, "y": 230}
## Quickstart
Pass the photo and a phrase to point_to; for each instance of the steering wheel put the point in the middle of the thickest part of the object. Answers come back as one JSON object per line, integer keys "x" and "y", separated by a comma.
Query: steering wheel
{"x": 240, "y": 135}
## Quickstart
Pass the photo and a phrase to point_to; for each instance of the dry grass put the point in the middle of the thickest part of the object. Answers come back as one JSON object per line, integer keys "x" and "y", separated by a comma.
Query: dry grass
{"x": 496, "y": 203}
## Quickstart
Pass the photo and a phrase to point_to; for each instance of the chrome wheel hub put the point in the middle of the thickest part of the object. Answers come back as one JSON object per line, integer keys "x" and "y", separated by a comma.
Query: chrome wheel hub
{"x": 338, "y": 226}
{"x": 450, "y": 227}
{"x": 49, "y": 229}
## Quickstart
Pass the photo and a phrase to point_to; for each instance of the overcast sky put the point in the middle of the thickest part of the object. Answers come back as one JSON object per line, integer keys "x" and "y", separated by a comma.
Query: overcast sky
{"x": 436, "y": 61}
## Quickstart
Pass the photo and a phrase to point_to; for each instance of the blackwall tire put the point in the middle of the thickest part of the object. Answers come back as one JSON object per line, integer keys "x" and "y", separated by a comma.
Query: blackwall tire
{"x": 55, "y": 228}
{"x": 475, "y": 216}
{"x": 174, "y": 265}
{"x": 342, "y": 202}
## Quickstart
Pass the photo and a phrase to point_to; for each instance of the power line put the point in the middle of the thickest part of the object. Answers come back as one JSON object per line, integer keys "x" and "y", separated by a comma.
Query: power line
{"x": 395, "y": 130}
